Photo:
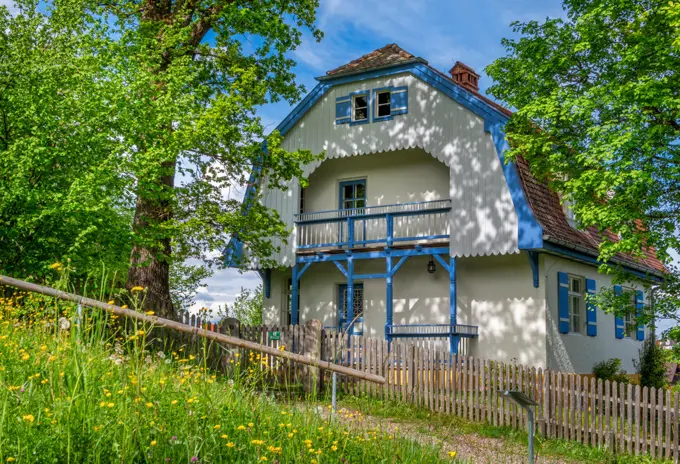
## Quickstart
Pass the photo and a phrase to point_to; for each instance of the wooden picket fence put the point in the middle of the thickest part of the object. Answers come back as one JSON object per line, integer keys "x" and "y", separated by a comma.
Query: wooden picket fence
{"x": 623, "y": 418}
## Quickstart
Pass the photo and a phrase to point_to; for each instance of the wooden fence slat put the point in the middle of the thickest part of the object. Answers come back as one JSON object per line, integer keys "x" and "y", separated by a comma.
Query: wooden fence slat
{"x": 637, "y": 404}
{"x": 659, "y": 422}
{"x": 651, "y": 414}
{"x": 600, "y": 413}
{"x": 676, "y": 432}
{"x": 667, "y": 409}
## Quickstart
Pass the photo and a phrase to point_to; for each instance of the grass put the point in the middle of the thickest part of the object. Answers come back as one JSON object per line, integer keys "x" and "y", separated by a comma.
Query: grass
{"x": 440, "y": 425}
{"x": 78, "y": 393}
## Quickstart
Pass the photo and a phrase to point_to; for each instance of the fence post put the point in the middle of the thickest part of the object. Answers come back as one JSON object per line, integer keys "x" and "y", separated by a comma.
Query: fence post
{"x": 311, "y": 347}
{"x": 412, "y": 371}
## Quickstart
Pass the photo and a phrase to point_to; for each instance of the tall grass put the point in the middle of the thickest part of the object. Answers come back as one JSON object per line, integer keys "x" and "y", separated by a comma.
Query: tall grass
{"x": 87, "y": 388}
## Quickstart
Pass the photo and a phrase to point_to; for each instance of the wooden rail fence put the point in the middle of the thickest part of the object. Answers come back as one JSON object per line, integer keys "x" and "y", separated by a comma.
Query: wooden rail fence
{"x": 623, "y": 418}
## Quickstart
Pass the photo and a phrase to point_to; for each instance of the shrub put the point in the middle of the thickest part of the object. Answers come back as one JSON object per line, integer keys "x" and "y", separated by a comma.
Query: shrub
{"x": 652, "y": 364}
{"x": 610, "y": 370}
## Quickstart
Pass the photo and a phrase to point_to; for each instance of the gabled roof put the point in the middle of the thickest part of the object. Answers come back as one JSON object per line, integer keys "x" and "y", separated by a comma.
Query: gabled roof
{"x": 389, "y": 55}
{"x": 544, "y": 202}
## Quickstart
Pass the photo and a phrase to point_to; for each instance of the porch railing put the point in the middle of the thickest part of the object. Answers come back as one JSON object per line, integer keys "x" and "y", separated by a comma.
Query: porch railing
{"x": 430, "y": 330}
{"x": 374, "y": 225}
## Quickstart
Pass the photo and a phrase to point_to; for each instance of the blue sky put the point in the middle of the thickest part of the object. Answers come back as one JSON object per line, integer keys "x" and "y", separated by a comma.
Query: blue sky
{"x": 440, "y": 31}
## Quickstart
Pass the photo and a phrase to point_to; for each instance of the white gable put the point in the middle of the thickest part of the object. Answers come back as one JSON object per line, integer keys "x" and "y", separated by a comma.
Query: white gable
{"x": 483, "y": 218}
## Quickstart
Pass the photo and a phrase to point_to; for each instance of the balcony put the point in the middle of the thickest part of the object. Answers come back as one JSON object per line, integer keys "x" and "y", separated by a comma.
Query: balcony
{"x": 374, "y": 226}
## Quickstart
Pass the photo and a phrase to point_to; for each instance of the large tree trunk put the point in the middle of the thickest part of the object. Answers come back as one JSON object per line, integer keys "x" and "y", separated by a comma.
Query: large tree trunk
{"x": 150, "y": 265}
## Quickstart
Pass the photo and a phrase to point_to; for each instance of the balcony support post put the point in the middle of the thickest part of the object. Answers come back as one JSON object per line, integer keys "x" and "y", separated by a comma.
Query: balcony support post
{"x": 453, "y": 339}
{"x": 350, "y": 292}
{"x": 390, "y": 229}
{"x": 388, "y": 295}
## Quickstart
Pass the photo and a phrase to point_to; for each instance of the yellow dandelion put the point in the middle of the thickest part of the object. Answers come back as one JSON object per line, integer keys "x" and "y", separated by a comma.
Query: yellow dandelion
{"x": 29, "y": 418}
{"x": 251, "y": 425}
{"x": 149, "y": 405}
{"x": 25, "y": 357}
{"x": 224, "y": 436}
{"x": 452, "y": 454}
{"x": 55, "y": 265}
{"x": 257, "y": 442}
{"x": 150, "y": 313}
{"x": 230, "y": 445}
{"x": 174, "y": 402}
{"x": 153, "y": 442}
{"x": 137, "y": 289}
{"x": 112, "y": 302}
{"x": 11, "y": 459}
{"x": 110, "y": 405}
{"x": 334, "y": 448}
{"x": 216, "y": 427}
{"x": 240, "y": 427}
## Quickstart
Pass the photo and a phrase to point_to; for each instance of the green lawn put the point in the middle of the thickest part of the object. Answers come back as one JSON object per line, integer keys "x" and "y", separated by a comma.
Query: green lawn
{"x": 78, "y": 395}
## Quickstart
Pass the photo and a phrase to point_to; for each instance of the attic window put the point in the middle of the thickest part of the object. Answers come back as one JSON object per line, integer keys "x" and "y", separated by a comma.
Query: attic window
{"x": 382, "y": 107}
{"x": 360, "y": 108}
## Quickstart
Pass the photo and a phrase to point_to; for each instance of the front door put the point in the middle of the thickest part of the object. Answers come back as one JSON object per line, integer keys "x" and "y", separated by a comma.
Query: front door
{"x": 352, "y": 202}
{"x": 358, "y": 305}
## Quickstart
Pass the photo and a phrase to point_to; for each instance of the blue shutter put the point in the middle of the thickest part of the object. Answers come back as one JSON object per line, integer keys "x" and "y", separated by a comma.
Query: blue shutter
{"x": 267, "y": 283}
{"x": 639, "y": 307}
{"x": 399, "y": 100}
{"x": 563, "y": 301}
{"x": 619, "y": 328}
{"x": 591, "y": 309}
{"x": 343, "y": 110}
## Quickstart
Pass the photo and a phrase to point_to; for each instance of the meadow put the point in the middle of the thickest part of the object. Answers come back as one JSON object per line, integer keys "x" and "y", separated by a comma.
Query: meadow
{"x": 84, "y": 386}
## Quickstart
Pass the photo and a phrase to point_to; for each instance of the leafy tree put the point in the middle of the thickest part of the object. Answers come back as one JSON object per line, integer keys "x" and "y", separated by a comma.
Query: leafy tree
{"x": 61, "y": 196}
{"x": 598, "y": 117}
{"x": 247, "y": 307}
{"x": 122, "y": 124}
{"x": 190, "y": 77}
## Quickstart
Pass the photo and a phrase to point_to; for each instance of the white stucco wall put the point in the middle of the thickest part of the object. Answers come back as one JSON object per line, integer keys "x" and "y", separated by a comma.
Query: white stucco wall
{"x": 482, "y": 211}
{"x": 495, "y": 293}
{"x": 402, "y": 176}
{"x": 574, "y": 352}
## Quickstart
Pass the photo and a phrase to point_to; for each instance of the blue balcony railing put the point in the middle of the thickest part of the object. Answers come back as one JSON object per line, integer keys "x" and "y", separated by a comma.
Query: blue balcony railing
{"x": 386, "y": 225}
{"x": 430, "y": 330}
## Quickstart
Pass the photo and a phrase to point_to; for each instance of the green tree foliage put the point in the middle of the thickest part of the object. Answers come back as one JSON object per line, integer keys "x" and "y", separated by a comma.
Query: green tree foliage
{"x": 61, "y": 194}
{"x": 124, "y": 123}
{"x": 651, "y": 364}
{"x": 247, "y": 307}
{"x": 598, "y": 117}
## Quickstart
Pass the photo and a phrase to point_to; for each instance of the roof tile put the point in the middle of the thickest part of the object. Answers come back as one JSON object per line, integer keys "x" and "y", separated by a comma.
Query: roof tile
{"x": 388, "y": 55}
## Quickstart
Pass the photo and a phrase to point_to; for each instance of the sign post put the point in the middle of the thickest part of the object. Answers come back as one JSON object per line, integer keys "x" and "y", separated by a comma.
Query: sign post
{"x": 527, "y": 404}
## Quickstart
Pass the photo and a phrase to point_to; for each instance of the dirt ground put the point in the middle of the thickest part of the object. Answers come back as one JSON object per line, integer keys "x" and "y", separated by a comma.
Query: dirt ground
{"x": 469, "y": 447}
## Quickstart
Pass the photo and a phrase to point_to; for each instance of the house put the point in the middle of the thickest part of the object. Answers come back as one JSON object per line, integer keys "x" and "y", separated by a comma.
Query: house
{"x": 413, "y": 227}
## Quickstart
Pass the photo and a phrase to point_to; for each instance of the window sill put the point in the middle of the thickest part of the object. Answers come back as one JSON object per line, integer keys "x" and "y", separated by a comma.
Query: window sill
{"x": 382, "y": 118}
{"x": 358, "y": 123}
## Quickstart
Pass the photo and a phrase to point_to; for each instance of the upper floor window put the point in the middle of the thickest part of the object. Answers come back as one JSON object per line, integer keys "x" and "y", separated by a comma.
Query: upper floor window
{"x": 568, "y": 210}
{"x": 360, "y": 108}
{"x": 577, "y": 305}
{"x": 382, "y": 105}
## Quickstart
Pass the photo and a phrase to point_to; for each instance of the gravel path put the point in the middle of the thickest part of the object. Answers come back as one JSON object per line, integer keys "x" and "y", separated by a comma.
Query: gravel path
{"x": 469, "y": 447}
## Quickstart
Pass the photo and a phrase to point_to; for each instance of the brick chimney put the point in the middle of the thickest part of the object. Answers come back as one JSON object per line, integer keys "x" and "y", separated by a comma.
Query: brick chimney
{"x": 465, "y": 76}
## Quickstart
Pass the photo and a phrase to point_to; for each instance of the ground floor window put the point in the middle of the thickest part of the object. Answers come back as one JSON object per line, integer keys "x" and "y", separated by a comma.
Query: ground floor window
{"x": 630, "y": 328}
{"x": 576, "y": 303}
{"x": 358, "y": 304}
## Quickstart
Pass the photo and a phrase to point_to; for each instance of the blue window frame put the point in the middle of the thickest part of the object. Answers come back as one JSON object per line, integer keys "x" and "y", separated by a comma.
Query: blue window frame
{"x": 358, "y": 305}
